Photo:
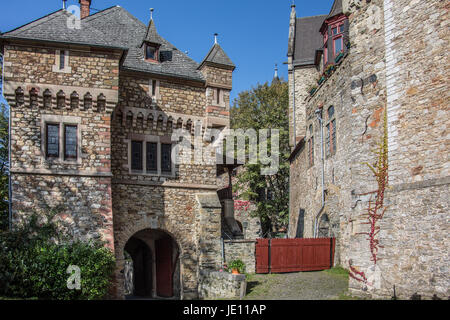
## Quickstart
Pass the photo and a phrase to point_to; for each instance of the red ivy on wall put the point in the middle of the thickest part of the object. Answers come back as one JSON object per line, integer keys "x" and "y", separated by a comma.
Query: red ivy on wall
{"x": 376, "y": 208}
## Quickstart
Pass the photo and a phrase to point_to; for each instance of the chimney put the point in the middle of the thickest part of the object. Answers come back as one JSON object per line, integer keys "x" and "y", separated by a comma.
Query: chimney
{"x": 85, "y": 6}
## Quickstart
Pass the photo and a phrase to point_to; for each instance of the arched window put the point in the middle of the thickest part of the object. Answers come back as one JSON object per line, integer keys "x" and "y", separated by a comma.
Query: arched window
{"x": 311, "y": 146}
{"x": 20, "y": 96}
{"x": 331, "y": 132}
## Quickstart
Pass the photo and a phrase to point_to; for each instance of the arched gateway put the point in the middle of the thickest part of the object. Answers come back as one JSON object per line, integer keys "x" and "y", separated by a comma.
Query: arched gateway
{"x": 152, "y": 266}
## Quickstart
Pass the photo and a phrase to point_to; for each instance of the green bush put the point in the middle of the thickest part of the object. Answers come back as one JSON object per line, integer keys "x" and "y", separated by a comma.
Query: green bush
{"x": 34, "y": 261}
{"x": 237, "y": 264}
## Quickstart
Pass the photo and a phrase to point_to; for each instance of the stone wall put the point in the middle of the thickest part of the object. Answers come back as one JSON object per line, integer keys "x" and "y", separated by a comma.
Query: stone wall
{"x": 222, "y": 285}
{"x": 381, "y": 72}
{"x": 80, "y": 189}
{"x": 243, "y": 250}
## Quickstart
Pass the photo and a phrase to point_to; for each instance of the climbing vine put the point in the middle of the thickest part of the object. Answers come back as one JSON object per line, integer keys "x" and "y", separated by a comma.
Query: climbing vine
{"x": 376, "y": 208}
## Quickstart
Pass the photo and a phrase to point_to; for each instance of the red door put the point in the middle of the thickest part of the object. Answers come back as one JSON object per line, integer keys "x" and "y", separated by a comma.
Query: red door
{"x": 164, "y": 281}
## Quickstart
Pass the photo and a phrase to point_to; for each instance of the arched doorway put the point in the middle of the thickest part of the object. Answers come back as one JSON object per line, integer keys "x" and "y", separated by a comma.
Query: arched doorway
{"x": 324, "y": 226}
{"x": 152, "y": 268}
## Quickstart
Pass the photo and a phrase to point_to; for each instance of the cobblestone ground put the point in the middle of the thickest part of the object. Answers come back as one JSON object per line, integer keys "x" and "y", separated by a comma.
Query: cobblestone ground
{"x": 320, "y": 285}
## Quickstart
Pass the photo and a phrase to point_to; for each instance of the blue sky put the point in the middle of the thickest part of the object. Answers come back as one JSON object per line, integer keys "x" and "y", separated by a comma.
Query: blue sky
{"x": 254, "y": 33}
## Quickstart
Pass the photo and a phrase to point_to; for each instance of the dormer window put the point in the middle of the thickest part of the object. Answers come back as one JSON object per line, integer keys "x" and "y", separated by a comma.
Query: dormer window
{"x": 151, "y": 52}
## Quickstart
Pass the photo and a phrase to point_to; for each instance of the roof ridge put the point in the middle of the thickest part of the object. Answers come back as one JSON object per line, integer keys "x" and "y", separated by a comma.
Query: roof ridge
{"x": 99, "y": 13}
{"x": 316, "y": 16}
{"x": 36, "y": 22}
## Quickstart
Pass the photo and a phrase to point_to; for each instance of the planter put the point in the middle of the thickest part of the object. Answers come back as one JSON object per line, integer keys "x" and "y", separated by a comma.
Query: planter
{"x": 235, "y": 271}
{"x": 312, "y": 91}
{"x": 339, "y": 57}
{"x": 321, "y": 80}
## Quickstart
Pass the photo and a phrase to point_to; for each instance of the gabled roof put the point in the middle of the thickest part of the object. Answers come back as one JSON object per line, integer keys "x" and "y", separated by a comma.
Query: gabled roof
{"x": 114, "y": 27}
{"x": 308, "y": 39}
{"x": 218, "y": 57}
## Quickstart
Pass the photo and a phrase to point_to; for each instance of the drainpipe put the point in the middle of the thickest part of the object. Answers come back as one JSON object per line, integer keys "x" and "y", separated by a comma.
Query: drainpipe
{"x": 9, "y": 147}
{"x": 316, "y": 222}
{"x": 293, "y": 107}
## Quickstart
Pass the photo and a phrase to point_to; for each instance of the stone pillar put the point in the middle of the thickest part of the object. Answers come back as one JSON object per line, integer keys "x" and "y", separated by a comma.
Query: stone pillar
{"x": 209, "y": 231}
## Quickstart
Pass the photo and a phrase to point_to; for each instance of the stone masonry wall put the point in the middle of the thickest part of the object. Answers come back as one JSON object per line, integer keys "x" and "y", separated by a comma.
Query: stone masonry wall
{"x": 222, "y": 285}
{"x": 243, "y": 250}
{"x": 384, "y": 69}
{"x": 80, "y": 190}
{"x": 356, "y": 91}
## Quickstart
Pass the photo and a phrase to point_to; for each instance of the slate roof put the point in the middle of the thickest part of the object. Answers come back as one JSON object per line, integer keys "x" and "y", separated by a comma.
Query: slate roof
{"x": 336, "y": 9}
{"x": 114, "y": 27}
{"x": 308, "y": 39}
{"x": 217, "y": 56}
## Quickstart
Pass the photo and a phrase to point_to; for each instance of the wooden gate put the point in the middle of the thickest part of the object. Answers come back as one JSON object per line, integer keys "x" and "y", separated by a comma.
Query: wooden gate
{"x": 164, "y": 280}
{"x": 294, "y": 255}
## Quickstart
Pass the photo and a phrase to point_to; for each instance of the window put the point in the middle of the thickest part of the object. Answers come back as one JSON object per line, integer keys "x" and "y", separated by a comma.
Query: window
{"x": 338, "y": 45}
{"x": 70, "y": 142}
{"x": 153, "y": 88}
{"x": 136, "y": 155}
{"x": 166, "y": 158}
{"x": 331, "y": 132}
{"x": 151, "y": 52}
{"x": 61, "y": 139}
{"x": 152, "y": 156}
{"x": 52, "y": 138}
{"x": 311, "y": 146}
{"x": 62, "y": 59}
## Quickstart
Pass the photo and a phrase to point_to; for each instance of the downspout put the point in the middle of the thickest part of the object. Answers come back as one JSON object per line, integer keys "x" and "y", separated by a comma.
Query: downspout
{"x": 9, "y": 148}
{"x": 316, "y": 219}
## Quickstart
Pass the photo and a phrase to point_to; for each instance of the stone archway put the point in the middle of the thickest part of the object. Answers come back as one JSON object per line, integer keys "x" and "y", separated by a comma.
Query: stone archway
{"x": 324, "y": 226}
{"x": 155, "y": 271}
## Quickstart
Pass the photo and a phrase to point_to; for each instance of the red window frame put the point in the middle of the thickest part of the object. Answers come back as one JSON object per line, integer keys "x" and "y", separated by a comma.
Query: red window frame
{"x": 338, "y": 24}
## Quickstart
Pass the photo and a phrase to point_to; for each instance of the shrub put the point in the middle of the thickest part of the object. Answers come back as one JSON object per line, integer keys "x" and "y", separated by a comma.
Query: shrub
{"x": 34, "y": 259}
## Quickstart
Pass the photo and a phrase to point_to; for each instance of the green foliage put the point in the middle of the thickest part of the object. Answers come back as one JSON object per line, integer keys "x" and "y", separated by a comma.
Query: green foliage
{"x": 3, "y": 167}
{"x": 34, "y": 261}
{"x": 265, "y": 107}
{"x": 237, "y": 264}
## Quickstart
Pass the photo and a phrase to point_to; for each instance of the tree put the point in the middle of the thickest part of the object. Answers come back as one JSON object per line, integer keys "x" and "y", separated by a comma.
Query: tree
{"x": 4, "y": 167}
{"x": 265, "y": 107}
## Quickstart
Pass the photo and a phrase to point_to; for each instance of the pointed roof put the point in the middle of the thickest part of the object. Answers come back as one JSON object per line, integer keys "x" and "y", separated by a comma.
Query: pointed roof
{"x": 152, "y": 35}
{"x": 276, "y": 78}
{"x": 217, "y": 56}
{"x": 335, "y": 9}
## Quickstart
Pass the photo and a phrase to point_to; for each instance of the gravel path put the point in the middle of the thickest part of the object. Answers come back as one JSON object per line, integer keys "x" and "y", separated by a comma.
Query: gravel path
{"x": 320, "y": 285}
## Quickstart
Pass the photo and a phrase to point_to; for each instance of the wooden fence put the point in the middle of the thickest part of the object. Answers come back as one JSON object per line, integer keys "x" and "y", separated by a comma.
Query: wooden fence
{"x": 294, "y": 255}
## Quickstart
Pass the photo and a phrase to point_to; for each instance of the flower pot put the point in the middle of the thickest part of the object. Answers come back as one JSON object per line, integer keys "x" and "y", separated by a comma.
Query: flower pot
{"x": 234, "y": 271}
{"x": 339, "y": 57}
{"x": 321, "y": 80}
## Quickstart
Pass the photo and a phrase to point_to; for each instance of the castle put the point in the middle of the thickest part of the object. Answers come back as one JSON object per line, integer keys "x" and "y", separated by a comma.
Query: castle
{"x": 93, "y": 107}
{"x": 372, "y": 72}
